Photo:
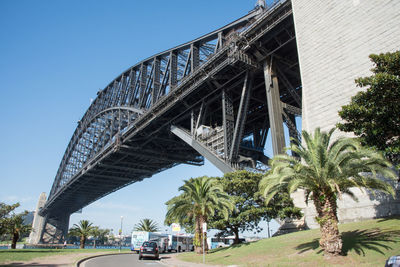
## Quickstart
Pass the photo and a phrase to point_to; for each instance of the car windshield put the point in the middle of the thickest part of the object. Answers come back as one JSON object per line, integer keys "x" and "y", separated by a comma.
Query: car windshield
{"x": 149, "y": 244}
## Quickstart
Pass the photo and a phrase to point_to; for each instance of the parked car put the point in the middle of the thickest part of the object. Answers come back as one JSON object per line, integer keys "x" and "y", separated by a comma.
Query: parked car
{"x": 393, "y": 261}
{"x": 149, "y": 249}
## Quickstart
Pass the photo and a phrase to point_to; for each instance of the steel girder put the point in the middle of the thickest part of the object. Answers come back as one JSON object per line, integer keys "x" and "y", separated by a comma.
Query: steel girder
{"x": 125, "y": 135}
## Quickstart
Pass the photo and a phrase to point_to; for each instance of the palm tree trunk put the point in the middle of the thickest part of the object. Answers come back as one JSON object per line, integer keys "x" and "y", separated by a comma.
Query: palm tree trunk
{"x": 331, "y": 241}
{"x": 204, "y": 235}
{"x": 14, "y": 240}
{"x": 236, "y": 232}
{"x": 83, "y": 240}
{"x": 198, "y": 236}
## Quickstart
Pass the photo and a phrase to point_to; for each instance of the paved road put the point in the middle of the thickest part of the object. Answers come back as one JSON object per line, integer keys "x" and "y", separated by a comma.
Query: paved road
{"x": 122, "y": 260}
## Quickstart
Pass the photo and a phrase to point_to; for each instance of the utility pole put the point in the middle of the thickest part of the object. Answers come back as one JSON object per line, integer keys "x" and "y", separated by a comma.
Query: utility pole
{"x": 120, "y": 234}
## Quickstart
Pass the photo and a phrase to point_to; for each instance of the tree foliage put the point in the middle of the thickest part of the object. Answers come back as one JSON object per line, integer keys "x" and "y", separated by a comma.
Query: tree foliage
{"x": 82, "y": 230}
{"x": 5, "y": 213}
{"x": 374, "y": 114}
{"x": 325, "y": 171}
{"x": 147, "y": 225}
{"x": 242, "y": 186}
{"x": 12, "y": 224}
{"x": 99, "y": 235}
{"x": 200, "y": 199}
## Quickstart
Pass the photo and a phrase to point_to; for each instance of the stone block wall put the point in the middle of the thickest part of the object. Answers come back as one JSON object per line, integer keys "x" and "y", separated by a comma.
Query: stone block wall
{"x": 334, "y": 40}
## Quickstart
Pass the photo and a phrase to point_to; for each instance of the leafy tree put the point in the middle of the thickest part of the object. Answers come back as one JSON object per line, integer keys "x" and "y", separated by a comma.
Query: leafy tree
{"x": 201, "y": 197}
{"x": 100, "y": 235}
{"x": 17, "y": 227}
{"x": 326, "y": 171}
{"x": 12, "y": 224}
{"x": 82, "y": 230}
{"x": 146, "y": 225}
{"x": 5, "y": 211}
{"x": 242, "y": 186}
{"x": 374, "y": 114}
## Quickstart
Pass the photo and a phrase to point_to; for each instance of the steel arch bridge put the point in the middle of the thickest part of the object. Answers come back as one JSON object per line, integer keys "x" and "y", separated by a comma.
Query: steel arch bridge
{"x": 216, "y": 97}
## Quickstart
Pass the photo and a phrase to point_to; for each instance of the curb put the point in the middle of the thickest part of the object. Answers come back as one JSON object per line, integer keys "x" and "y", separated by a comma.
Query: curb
{"x": 96, "y": 256}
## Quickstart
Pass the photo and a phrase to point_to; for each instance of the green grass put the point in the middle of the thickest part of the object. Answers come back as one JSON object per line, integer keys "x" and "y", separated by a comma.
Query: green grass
{"x": 367, "y": 243}
{"x": 21, "y": 255}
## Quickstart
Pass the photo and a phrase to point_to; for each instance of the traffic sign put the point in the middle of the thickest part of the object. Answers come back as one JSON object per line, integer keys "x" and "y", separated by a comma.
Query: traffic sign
{"x": 176, "y": 227}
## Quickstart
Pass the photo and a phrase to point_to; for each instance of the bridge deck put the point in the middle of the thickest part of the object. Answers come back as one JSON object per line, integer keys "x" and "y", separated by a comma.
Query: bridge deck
{"x": 120, "y": 142}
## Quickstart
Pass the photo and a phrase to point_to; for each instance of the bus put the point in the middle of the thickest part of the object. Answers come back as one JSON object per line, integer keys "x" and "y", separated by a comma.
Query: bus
{"x": 221, "y": 242}
{"x": 138, "y": 237}
{"x": 180, "y": 243}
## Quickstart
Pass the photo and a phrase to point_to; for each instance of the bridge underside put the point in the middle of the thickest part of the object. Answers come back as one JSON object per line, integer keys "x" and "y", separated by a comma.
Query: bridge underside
{"x": 223, "y": 110}
{"x": 123, "y": 165}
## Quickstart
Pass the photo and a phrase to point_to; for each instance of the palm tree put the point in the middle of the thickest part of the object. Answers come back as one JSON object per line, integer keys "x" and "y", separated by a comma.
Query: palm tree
{"x": 99, "y": 234}
{"x": 17, "y": 228}
{"x": 200, "y": 199}
{"x": 326, "y": 171}
{"x": 146, "y": 225}
{"x": 82, "y": 230}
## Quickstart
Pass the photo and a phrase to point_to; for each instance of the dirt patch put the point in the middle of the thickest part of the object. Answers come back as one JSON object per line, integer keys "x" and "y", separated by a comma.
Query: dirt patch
{"x": 340, "y": 260}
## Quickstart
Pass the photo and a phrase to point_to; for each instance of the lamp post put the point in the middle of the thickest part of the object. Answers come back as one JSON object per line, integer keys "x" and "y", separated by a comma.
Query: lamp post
{"x": 120, "y": 234}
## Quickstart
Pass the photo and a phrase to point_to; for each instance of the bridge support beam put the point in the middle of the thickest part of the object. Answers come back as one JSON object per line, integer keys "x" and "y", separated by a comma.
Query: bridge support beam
{"x": 187, "y": 138}
{"x": 228, "y": 123}
{"x": 241, "y": 116}
{"x": 55, "y": 229}
{"x": 274, "y": 107}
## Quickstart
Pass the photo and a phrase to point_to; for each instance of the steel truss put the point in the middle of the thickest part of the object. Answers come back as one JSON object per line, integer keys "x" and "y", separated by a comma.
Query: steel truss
{"x": 218, "y": 97}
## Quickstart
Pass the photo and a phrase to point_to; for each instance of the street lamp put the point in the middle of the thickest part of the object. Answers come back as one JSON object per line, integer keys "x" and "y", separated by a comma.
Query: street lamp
{"x": 120, "y": 234}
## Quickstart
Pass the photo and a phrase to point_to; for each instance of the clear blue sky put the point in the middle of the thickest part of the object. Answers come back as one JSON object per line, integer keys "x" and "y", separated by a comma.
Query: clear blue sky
{"x": 54, "y": 57}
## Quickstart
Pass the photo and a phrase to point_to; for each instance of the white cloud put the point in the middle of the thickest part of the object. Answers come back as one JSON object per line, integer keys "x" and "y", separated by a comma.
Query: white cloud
{"x": 26, "y": 203}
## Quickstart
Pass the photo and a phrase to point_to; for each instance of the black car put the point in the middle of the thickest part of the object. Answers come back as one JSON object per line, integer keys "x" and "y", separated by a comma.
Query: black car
{"x": 149, "y": 249}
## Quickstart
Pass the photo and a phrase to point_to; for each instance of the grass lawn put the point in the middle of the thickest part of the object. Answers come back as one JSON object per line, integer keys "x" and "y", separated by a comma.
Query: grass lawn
{"x": 20, "y": 255}
{"x": 367, "y": 243}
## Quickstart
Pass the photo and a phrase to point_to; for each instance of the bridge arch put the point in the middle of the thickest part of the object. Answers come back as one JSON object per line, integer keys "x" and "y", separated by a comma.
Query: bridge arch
{"x": 216, "y": 97}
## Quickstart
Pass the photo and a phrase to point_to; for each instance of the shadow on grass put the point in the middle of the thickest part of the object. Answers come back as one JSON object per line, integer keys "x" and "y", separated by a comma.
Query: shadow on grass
{"x": 225, "y": 248}
{"x": 371, "y": 239}
{"x": 217, "y": 250}
{"x": 241, "y": 245}
{"x": 396, "y": 217}
{"x": 359, "y": 241}
{"x": 312, "y": 245}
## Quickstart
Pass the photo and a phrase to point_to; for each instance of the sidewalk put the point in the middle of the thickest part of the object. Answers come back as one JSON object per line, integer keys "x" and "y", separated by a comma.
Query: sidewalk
{"x": 53, "y": 261}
